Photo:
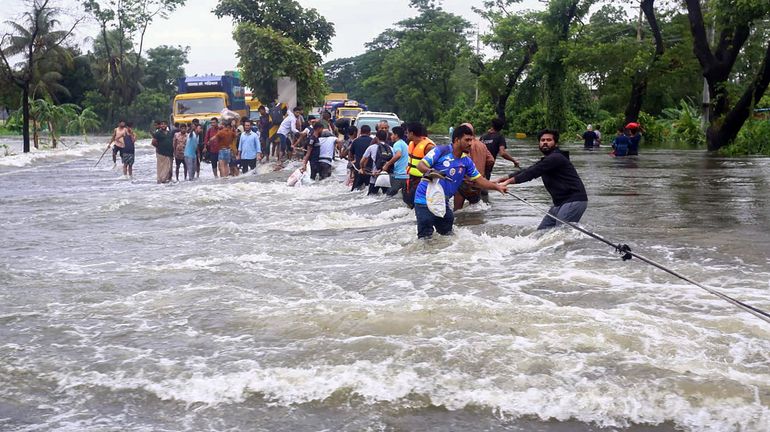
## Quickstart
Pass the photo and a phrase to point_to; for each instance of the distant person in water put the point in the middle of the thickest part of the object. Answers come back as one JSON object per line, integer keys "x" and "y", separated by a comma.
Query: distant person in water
{"x": 560, "y": 178}
{"x": 635, "y": 135}
{"x": 118, "y": 141}
{"x": 621, "y": 143}
{"x": 129, "y": 149}
{"x": 588, "y": 137}
{"x": 180, "y": 142}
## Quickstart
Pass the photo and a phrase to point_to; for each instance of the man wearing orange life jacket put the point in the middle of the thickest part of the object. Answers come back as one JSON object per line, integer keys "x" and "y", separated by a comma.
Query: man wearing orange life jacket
{"x": 419, "y": 146}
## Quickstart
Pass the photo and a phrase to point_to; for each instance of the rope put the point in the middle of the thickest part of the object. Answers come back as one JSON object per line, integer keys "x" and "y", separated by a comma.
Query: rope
{"x": 625, "y": 250}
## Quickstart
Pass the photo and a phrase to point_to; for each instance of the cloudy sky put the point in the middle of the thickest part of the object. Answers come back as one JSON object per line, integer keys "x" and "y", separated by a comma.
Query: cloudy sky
{"x": 212, "y": 49}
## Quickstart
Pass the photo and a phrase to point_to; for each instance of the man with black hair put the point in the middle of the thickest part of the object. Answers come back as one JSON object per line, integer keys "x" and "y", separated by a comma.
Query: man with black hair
{"x": 495, "y": 142}
{"x": 419, "y": 146}
{"x": 320, "y": 152}
{"x": 374, "y": 159}
{"x": 399, "y": 162}
{"x": 451, "y": 164}
{"x": 560, "y": 178}
{"x": 287, "y": 127}
{"x": 357, "y": 150}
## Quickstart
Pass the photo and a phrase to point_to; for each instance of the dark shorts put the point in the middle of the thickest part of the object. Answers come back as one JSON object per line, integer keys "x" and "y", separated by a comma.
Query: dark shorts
{"x": 426, "y": 221}
{"x": 127, "y": 158}
{"x": 180, "y": 162}
{"x": 320, "y": 169}
{"x": 396, "y": 185}
{"x": 247, "y": 164}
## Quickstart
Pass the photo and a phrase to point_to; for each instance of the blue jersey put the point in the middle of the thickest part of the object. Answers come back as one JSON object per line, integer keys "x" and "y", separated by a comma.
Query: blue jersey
{"x": 441, "y": 159}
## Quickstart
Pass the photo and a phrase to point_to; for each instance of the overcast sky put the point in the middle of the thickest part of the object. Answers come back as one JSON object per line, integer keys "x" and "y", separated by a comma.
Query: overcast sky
{"x": 212, "y": 49}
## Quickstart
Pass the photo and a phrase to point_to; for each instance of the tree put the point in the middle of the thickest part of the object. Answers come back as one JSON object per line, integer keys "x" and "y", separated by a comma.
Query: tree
{"x": 641, "y": 75}
{"x": 513, "y": 37}
{"x": 165, "y": 64}
{"x": 735, "y": 23}
{"x": 306, "y": 27}
{"x": 84, "y": 121}
{"x": 35, "y": 39}
{"x": 278, "y": 38}
{"x": 122, "y": 26}
{"x": 552, "y": 56}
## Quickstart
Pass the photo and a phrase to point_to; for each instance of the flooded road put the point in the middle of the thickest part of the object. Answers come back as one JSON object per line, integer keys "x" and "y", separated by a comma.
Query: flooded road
{"x": 243, "y": 304}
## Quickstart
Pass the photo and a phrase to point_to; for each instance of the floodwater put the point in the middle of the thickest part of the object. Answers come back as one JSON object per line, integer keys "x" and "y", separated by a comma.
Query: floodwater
{"x": 243, "y": 304}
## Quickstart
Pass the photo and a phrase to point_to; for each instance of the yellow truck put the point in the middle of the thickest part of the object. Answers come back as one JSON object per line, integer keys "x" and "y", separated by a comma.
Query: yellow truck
{"x": 206, "y": 96}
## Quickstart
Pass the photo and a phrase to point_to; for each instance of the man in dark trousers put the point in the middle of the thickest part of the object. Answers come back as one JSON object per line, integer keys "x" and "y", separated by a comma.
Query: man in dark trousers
{"x": 560, "y": 179}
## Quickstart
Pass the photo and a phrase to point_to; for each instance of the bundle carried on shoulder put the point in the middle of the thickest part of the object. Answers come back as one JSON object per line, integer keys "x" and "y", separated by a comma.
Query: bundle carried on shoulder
{"x": 228, "y": 115}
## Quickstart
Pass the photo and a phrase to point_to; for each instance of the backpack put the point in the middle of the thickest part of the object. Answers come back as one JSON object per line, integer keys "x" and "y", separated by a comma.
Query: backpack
{"x": 276, "y": 115}
{"x": 384, "y": 154}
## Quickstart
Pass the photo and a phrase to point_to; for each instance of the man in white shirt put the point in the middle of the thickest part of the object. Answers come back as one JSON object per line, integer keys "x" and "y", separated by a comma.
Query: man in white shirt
{"x": 288, "y": 125}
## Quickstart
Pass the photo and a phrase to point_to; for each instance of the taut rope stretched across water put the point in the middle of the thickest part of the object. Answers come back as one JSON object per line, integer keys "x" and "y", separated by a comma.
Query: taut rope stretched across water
{"x": 627, "y": 255}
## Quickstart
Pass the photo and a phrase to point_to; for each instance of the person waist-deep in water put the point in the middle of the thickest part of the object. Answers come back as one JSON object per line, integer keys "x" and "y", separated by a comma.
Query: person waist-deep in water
{"x": 560, "y": 178}
{"x": 452, "y": 165}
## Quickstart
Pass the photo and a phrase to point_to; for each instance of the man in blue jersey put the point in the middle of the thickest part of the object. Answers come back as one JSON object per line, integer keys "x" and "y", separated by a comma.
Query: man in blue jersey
{"x": 451, "y": 164}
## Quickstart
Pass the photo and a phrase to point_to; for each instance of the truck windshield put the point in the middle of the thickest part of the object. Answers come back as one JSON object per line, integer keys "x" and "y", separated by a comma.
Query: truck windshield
{"x": 348, "y": 112}
{"x": 200, "y": 106}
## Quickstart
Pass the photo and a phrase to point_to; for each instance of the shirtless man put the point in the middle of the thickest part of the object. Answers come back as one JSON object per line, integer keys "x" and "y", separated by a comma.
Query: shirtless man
{"x": 118, "y": 141}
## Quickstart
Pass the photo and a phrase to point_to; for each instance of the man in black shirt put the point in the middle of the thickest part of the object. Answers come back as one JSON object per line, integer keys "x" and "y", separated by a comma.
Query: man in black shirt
{"x": 495, "y": 142}
{"x": 560, "y": 179}
{"x": 357, "y": 150}
{"x": 589, "y": 138}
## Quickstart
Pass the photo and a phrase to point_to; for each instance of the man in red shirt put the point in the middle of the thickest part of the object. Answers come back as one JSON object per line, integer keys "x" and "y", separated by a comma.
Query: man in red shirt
{"x": 211, "y": 146}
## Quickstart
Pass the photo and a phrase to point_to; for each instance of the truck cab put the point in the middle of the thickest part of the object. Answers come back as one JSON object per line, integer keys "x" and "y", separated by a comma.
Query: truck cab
{"x": 347, "y": 110}
{"x": 206, "y": 96}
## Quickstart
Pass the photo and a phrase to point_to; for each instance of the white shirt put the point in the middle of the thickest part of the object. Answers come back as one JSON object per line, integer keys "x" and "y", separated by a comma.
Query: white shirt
{"x": 289, "y": 124}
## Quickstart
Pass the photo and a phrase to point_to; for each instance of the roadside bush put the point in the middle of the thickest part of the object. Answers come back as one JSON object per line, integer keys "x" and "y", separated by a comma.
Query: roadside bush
{"x": 685, "y": 126}
{"x": 754, "y": 138}
{"x": 529, "y": 121}
{"x": 655, "y": 132}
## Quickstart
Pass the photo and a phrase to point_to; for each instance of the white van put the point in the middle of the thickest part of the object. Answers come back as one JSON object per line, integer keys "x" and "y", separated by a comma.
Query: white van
{"x": 371, "y": 118}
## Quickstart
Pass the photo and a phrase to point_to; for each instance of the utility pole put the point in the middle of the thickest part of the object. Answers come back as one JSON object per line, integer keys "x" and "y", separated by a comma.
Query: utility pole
{"x": 706, "y": 103}
{"x": 478, "y": 50}
{"x": 639, "y": 24}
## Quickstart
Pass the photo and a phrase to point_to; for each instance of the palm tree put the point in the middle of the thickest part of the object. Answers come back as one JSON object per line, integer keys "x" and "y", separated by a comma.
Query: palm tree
{"x": 40, "y": 112}
{"x": 58, "y": 117}
{"x": 86, "y": 120}
{"x": 36, "y": 40}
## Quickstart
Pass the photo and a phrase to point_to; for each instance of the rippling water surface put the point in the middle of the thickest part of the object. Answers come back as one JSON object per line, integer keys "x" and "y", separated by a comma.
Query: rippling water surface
{"x": 243, "y": 304}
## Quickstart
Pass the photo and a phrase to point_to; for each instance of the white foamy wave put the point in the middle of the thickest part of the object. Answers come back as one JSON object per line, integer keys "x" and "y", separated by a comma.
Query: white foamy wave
{"x": 598, "y": 401}
{"x": 77, "y": 150}
{"x": 249, "y": 261}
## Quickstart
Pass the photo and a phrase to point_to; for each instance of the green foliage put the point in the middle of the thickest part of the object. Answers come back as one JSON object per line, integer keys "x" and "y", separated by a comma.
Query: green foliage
{"x": 149, "y": 105}
{"x": 266, "y": 55}
{"x": 530, "y": 120}
{"x": 117, "y": 62}
{"x": 479, "y": 115}
{"x": 82, "y": 122}
{"x": 753, "y": 139}
{"x": 685, "y": 126}
{"x": 306, "y": 27}
{"x": 165, "y": 64}
{"x": 655, "y": 132}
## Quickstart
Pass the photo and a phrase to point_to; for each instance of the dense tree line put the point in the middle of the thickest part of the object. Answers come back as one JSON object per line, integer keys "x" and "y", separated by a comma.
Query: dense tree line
{"x": 572, "y": 63}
